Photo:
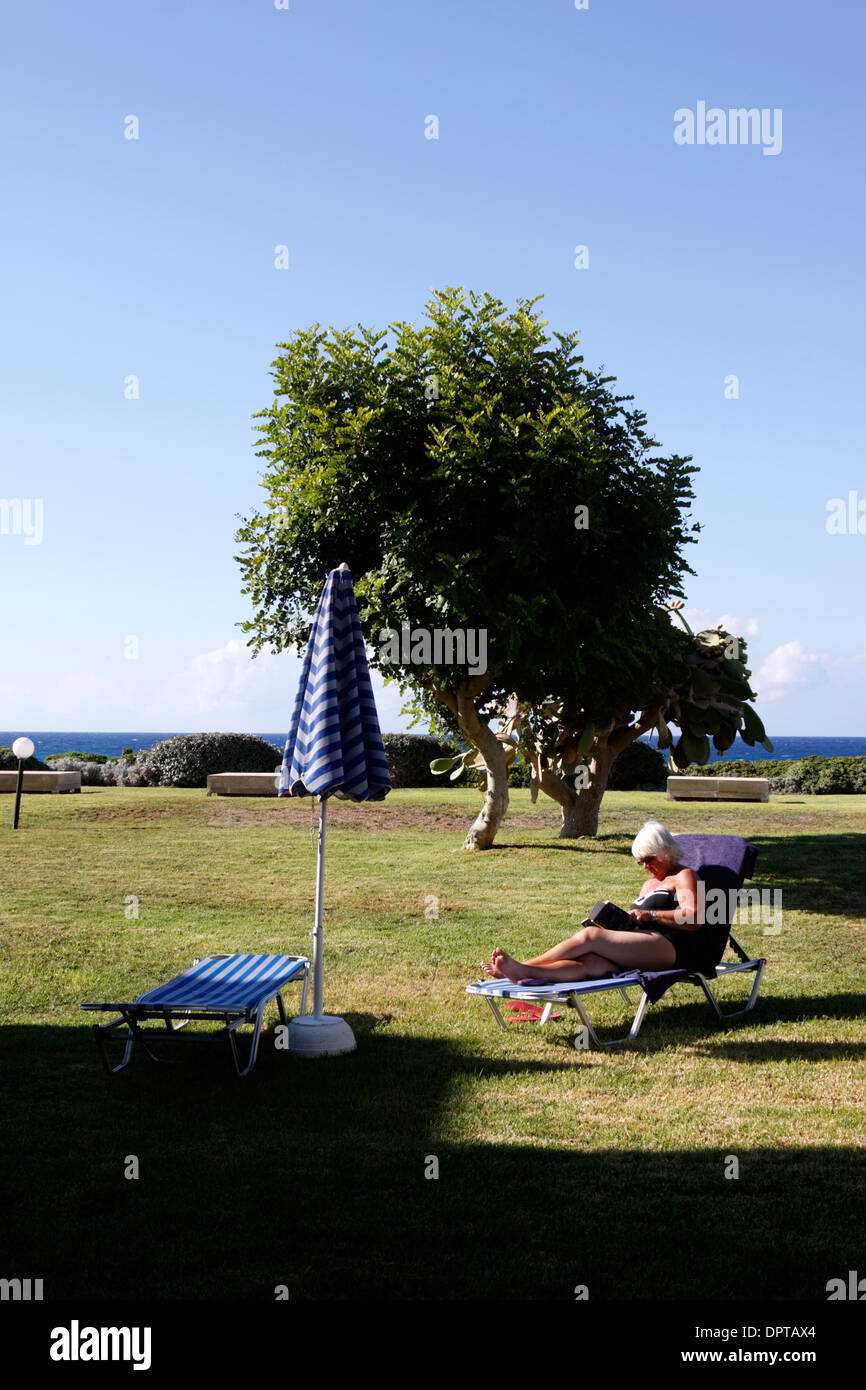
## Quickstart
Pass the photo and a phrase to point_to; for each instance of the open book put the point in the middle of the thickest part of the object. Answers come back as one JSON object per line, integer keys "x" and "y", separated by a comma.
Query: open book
{"x": 610, "y": 916}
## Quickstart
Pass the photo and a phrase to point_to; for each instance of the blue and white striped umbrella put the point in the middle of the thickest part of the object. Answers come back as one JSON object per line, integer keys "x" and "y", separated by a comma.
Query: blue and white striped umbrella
{"x": 334, "y": 747}
{"x": 334, "y": 743}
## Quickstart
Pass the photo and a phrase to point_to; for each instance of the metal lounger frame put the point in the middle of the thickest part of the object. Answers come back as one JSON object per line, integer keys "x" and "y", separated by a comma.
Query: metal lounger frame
{"x": 176, "y": 1019}
{"x": 572, "y": 997}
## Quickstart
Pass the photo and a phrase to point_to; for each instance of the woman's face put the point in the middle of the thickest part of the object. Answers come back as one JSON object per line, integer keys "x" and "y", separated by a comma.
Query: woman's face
{"x": 659, "y": 868}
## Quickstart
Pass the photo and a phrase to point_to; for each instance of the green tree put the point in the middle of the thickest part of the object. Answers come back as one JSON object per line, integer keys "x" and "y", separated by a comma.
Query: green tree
{"x": 474, "y": 475}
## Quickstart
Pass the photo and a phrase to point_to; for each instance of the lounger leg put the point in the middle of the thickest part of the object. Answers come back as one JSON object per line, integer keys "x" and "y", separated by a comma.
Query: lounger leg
{"x": 494, "y": 1007}
{"x": 304, "y": 988}
{"x": 101, "y": 1031}
{"x": 545, "y": 1015}
{"x": 733, "y": 1013}
{"x": 254, "y": 1044}
{"x": 613, "y": 1042}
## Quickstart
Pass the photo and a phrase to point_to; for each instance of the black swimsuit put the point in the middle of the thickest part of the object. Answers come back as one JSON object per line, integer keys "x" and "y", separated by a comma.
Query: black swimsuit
{"x": 701, "y": 949}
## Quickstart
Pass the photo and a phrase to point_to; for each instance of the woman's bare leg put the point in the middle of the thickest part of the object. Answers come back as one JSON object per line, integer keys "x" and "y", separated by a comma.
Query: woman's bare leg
{"x": 589, "y": 967}
{"x": 626, "y": 950}
{"x": 570, "y": 949}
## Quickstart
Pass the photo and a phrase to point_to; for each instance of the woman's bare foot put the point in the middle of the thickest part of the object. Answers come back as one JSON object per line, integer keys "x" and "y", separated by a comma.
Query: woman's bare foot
{"x": 495, "y": 967}
{"x": 489, "y": 968}
{"x": 507, "y": 966}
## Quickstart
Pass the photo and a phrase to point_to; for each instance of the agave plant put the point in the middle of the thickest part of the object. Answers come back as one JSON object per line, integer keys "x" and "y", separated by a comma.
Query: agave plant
{"x": 710, "y": 700}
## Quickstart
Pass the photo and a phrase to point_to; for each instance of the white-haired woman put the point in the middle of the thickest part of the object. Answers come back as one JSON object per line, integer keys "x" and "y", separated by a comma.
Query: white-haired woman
{"x": 669, "y": 934}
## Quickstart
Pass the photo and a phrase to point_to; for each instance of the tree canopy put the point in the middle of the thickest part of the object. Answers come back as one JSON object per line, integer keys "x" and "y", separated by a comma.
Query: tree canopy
{"x": 446, "y": 471}
{"x": 474, "y": 474}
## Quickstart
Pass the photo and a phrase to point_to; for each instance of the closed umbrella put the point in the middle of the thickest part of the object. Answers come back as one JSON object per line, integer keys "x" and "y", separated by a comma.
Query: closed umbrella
{"x": 334, "y": 748}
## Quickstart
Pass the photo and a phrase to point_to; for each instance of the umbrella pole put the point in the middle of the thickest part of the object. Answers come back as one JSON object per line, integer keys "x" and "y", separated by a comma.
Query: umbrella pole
{"x": 318, "y": 1034}
{"x": 318, "y": 973}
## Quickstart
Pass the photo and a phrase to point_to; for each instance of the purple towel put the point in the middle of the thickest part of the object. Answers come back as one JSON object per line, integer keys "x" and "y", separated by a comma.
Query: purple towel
{"x": 722, "y": 861}
{"x": 656, "y": 982}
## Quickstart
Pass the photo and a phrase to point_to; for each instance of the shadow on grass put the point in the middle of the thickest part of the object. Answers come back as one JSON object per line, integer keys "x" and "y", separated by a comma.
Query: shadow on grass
{"x": 816, "y": 874}
{"x": 595, "y": 844}
{"x": 690, "y": 1022}
{"x": 802, "y": 866}
{"x": 312, "y": 1174}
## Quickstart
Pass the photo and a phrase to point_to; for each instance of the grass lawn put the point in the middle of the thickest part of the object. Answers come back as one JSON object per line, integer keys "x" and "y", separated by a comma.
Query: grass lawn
{"x": 557, "y": 1168}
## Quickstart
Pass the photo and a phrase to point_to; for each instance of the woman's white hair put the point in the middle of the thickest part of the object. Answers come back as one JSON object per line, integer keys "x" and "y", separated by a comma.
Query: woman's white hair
{"x": 654, "y": 840}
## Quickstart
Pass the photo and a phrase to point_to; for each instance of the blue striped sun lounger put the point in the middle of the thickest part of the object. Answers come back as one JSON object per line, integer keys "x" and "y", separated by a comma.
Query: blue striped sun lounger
{"x": 234, "y": 989}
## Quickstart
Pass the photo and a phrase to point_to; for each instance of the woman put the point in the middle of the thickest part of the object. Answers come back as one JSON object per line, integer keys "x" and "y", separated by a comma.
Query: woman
{"x": 675, "y": 936}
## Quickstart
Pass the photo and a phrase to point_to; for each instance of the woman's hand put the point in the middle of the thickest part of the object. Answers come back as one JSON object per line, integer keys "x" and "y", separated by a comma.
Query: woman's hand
{"x": 640, "y": 918}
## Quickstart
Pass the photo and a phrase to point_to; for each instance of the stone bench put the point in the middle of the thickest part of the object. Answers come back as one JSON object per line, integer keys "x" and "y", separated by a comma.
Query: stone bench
{"x": 57, "y": 782}
{"x": 242, "y": 783}
{"x": 718, "y": 789}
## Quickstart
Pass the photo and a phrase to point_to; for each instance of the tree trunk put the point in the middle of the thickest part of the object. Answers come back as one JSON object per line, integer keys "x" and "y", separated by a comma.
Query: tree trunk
{"x": 483, "y": 829}
{"x": 580, "y": 809}
{"x": 555, "y": 787}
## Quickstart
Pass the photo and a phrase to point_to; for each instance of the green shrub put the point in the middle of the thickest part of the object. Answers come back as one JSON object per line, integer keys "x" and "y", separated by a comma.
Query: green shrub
{"x": 409, "y": 758}
{"x": 787, "y": 786}
{"x": 82, "y": 757}
{"x": 833, "y": 776}
{"x": 739, "y": 767}
{"x": 9, "y": 762}
{"x": 638, "y": 765}
{"x": 519, "y": 774}
{"x": 93, "y": 773}
{"x": 815, "y": 775}
{"x": 187, "y": 760}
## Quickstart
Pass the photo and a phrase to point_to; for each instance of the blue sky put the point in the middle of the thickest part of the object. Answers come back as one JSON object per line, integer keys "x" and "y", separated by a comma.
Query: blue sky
{"x": 305, "y": 127}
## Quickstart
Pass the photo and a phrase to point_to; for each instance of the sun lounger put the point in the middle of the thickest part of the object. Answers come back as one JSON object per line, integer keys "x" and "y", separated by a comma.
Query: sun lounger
{"x": 235, "y": 989}
{"x": 723, "y": 862}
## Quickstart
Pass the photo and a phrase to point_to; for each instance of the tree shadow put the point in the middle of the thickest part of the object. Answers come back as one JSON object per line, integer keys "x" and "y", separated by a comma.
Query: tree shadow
{"x": 798, "y": 865}
{"x": 815, "y": 874}
{"x": 589, "y": 844}
{"x": 363, "y": 1177}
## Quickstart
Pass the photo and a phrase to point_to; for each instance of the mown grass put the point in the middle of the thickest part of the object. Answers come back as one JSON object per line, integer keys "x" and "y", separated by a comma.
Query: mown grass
{"x": 556, "y": 1167}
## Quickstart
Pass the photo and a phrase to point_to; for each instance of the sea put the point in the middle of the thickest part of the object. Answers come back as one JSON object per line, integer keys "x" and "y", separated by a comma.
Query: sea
{"x": 113, "y": 744}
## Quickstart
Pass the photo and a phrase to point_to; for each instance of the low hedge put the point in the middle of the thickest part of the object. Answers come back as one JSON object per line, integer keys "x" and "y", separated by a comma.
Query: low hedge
{"x": 188, "y": 759}
{"x": 739, "y": 767}
{"x": 81, "y": 757}
{"x": 9, "y": 762}
{"x": 409, "y": 758}
{"x": 831, "y": 776}
{"x": 814, "y": 775}
{"x": 95, "y": 771}
{"x": 637, "y": 766}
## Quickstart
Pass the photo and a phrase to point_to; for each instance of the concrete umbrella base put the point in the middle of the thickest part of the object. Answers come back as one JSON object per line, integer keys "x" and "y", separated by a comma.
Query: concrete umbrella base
{"x": 324, "y": 1036}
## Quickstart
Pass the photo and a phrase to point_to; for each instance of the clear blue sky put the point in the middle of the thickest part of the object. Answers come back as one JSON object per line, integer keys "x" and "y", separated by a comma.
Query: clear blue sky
{"x": 306, "y": 127}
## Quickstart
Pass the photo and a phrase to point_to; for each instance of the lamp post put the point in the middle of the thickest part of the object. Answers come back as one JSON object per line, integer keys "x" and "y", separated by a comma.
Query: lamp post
{"x": 23, "y": 749}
